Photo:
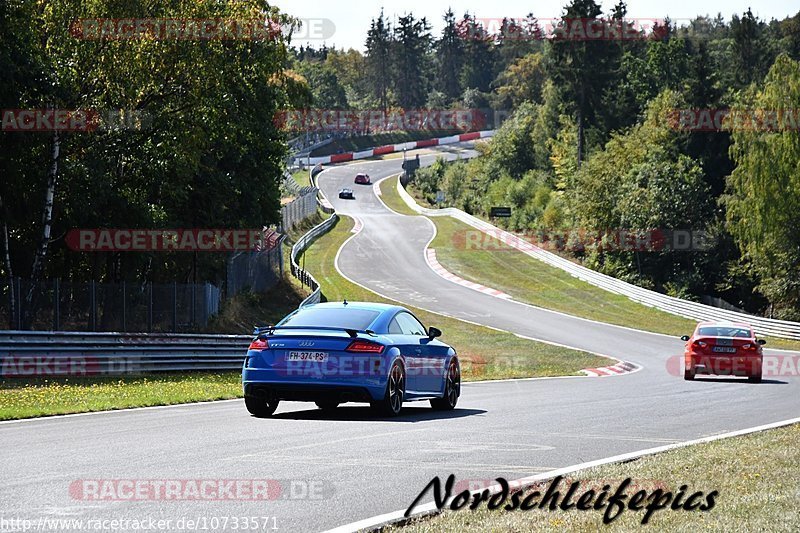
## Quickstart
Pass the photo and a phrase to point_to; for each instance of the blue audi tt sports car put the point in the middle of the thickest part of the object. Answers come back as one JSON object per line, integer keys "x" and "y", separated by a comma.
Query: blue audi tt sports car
{"x": 332, "y": 353}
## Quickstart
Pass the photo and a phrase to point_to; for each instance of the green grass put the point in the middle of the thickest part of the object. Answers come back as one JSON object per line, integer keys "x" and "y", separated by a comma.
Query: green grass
{"x": 485, "y": 353}
{"x": 357, "y": 144}
{"x": 44, "y": 397}
{"x": 757, "y": 477}
{"x": 301, "y": 177}
{"x": 532, "y": 281}
{"x": 392, "y": 199}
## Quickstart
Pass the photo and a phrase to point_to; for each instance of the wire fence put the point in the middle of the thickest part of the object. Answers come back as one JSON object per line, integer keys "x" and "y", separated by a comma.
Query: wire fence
{"x": 256, "y": 271}
{"x": 123, "y": 307}
{"x": 300, "y": 209}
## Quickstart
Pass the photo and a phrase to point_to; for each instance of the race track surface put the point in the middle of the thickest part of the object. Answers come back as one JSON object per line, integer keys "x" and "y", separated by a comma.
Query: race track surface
{"x": 355, "y": 465}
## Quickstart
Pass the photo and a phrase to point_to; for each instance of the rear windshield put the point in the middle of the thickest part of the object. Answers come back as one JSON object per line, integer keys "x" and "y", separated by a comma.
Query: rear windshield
{"x": 718, "y": 331}
{"x": 332, "y": 318}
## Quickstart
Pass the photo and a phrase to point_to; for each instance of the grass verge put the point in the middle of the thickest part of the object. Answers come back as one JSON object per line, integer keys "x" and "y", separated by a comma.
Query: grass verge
{"x": 302, "y": 177}
{"x": 485, "y": 353}
{"x": 392, "y": 199}
{"x": 537, "y": 283}
{"x": 45, "y": 397}
{"x": 757, "y": 491}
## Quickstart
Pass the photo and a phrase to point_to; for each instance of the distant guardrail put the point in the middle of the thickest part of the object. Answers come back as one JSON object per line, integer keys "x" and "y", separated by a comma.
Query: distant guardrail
{"x": 38, "y": 354}
{"x": 692, "y": 310}
{"x": 299, "y": 247}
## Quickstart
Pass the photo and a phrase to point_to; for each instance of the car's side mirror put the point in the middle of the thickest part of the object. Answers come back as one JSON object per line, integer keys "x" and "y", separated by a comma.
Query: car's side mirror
{"x": 434, "y": 332}
{"x": 685, "y": 338}
{"x": 762, "y": 342}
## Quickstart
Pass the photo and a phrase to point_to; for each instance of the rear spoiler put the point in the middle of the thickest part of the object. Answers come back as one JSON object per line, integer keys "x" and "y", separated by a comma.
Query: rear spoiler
{"x": 270, "y": 330}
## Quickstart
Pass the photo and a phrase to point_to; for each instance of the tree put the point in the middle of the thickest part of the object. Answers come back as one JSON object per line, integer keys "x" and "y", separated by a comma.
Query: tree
{"x": 449, "y": 58}
{"x": 411, "y": 60}
{"x": 750, "y": 57}
{"x": 523, "y": 80}
{"x": 328, "y": 92}
{"x": 478, "y": 70}
{"x": 763, "y": 200}
{"x": 210, "y": 154}
{"x": 580, "y": 68}
{"x": 379, "y": 59}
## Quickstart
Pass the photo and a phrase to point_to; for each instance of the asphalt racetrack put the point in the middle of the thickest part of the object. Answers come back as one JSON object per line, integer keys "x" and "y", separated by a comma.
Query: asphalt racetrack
{"x": 333, "y": 469}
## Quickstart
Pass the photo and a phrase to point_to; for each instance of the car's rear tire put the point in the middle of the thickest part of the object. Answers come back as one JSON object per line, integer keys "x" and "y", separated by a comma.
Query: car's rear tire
{"x": 688, "y": 374}
{"x": 260, "y": 407}
{"x": 327, "y": 405}
{"x": 392, "y": 402}
{"x": 452, "y": 389}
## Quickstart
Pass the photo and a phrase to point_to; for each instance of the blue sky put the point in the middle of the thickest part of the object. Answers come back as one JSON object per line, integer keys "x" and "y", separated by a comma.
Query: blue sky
{"x": 351, "y": 18}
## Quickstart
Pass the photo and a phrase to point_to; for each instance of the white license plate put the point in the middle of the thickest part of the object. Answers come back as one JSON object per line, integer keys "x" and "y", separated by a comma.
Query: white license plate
{"x": 317, "y": 357}
{"x": 724, "y": 349}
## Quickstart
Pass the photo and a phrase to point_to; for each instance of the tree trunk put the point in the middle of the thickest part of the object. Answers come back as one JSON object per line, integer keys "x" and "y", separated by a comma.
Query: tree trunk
{"x": 47, "y": 219}
{"x": 12, "y": 296}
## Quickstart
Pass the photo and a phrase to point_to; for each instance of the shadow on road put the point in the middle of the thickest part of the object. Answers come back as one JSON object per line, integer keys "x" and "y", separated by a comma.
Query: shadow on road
{"x": 365, "y": 413}
{"x": 739, "y": 380}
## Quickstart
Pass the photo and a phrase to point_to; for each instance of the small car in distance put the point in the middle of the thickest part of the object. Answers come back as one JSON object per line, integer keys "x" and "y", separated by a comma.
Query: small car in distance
{"x": 362, "y": 179}
{"x": 337, "y": 352}
{"x": 723, "y": 349}
{"x": 347, "y": 194}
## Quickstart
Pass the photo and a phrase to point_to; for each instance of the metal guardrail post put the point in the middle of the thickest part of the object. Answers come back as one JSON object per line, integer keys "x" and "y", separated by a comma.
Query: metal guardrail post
{"x": 174, "y": 307}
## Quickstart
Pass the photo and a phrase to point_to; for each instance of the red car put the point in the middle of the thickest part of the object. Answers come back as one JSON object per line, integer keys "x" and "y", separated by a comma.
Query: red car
{"x": 723, "y": 349}
{"x": 362, "y": 179}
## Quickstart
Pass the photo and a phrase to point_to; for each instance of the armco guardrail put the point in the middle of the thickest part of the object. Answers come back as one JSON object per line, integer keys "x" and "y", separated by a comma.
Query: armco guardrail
{"x": 393, "y": 148}
{"x": 28, "y": 354}
{"x": 299, "y": 247}
{"x": 669, "y": 304}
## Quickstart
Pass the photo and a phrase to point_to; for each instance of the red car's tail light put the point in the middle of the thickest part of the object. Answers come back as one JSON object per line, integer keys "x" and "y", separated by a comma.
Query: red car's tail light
{"x": 699, "y": 344}
{"x": 259, "y": 344}
{"x": 361, "y": 346}
{"x": 750, "y": 346}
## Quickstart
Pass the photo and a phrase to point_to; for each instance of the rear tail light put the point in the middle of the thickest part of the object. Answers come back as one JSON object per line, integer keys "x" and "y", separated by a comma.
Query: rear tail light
{"x": 699, "y": 344}
{"x": 361, "y": 346}
{"x": 750, "y": 346}
{"x": 259, "y": 344}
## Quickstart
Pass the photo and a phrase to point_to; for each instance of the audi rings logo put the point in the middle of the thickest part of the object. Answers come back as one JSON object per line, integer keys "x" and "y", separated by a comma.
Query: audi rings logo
{"x": 306, "y": 344}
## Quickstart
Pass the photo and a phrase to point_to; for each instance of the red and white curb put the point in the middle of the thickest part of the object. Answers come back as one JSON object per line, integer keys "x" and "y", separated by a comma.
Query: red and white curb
{"x": 357, "y": 226}
{"x": 623, "y": 367}
{"x": 394, "y": 148}
{"x": 376, "y": 188}
{"x": 430, "y": 257}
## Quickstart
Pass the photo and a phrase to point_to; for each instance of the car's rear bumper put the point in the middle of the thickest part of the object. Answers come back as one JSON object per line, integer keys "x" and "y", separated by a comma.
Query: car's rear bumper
{"x": 303, "y": 392}
{"x": 274, "y": 382}
{"x": 725, "y": 365}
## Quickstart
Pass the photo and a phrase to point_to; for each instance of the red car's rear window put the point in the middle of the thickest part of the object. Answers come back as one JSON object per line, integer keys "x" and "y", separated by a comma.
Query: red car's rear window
{"x": 723, "y": 331}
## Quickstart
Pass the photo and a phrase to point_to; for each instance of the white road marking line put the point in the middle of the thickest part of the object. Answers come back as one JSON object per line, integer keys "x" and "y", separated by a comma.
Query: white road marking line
{"x": 430, "y": 508}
